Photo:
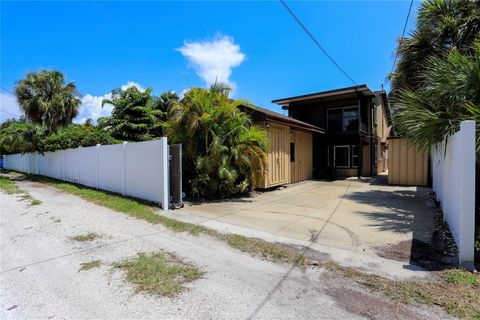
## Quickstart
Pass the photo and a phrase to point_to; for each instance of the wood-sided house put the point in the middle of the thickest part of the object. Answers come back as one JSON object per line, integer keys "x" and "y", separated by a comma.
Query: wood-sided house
{"x": 289, "y": 156}
{"x": 355, "y": 124}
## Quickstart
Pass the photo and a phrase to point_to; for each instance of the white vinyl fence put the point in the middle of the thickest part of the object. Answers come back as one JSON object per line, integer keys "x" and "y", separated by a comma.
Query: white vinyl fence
{"x": 137, "y": 169}
{"x": 453, "y": 174}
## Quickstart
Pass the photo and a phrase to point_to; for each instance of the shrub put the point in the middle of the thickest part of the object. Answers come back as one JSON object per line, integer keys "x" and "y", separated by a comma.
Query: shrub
{"x": 75, "y": 136}
{"x": 20, "y": 137}
{"x": 223, "y": 150}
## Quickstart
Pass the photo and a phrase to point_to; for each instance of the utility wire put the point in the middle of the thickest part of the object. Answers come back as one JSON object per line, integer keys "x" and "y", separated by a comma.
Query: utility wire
{"x": 403, "y": 35}
{"x": 8, "y": 91}
{"x": 316, "y": 42}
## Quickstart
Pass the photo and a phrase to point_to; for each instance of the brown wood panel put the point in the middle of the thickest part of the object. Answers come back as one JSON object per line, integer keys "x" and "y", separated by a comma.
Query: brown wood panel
{"x": 406, "y": 166}
{"x": 302, "y": 167}
{"x": 278, "y": 155}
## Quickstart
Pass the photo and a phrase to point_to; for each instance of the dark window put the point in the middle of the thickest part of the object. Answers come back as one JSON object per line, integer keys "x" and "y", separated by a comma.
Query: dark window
{"x": 350, "y": 119}
{"x": 343, "y": 119}
{"x": 375, "y": 152}
{"x": 355, "y": 156}
{"x": 292, "y": 152}
{"x": 335, "y": 120}
{"x": 342, "y": 156}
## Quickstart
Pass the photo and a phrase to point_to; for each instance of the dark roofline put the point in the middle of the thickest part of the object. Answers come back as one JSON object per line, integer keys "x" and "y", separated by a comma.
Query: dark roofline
{"x": 277, "y": 117}
{"x": 321, "y": 94}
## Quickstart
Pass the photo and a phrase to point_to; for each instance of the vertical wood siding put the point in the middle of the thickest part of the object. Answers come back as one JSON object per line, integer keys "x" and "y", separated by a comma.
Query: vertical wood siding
{"x": 278, "y": 155}
{"x": 279, "y": 168}
{"x": 406, "y": 166}
{"x": 302, "y": 168}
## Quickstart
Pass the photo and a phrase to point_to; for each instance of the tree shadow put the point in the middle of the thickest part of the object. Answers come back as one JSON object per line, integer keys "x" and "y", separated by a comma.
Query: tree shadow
{"x": 405, "y": 211}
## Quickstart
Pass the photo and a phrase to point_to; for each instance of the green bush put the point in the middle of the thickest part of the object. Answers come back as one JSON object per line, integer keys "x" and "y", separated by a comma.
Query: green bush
{"x": 23, "y": 137}
{"x": 223, "y": 150}
{"x": 75, "y": 136}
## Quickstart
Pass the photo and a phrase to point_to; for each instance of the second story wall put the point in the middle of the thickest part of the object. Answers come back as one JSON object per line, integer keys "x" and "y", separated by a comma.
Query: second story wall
{"x": 345, "y": 116}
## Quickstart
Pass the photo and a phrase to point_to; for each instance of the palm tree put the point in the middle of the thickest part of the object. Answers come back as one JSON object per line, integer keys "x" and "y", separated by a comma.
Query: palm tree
{"x": 223, "y": 150}
{"x": 88, "y": 123}
{"x": 20, "y": 137}
{"x": 442, "y": 26}
{"x": 132, "y": 118}
{"x": 449, "y": 95}
{"x": 46, "y": 99}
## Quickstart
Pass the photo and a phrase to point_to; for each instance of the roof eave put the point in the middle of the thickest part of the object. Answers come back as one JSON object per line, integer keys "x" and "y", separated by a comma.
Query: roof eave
{"x": 323, "y": 94}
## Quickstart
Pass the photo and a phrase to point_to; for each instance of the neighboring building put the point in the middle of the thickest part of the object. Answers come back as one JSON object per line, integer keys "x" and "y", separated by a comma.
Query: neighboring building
{"x": 289, "y": 156}
{"x": 357, "y": 123}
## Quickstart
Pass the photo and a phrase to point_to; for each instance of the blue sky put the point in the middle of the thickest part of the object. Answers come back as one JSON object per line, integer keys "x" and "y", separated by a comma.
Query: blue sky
{"x": 255, "y": 46}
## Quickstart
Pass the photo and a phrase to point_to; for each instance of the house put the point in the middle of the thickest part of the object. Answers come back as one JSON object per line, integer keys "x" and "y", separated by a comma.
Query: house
{"x": 356, "y": 123}
{"x": 289, "y": 155}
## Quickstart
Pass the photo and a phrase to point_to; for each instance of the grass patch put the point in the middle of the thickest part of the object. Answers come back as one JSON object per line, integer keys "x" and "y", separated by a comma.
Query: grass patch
{"x": 9, "y": 187}
{"x": 85, "y": 237}
{"x": 159, "y": 273}
{"x": 461, "y": 277}
{"x": 130, "y": 206}
{"x": 90, "y": 265}
{"x": 35, "y": 202}
{"x": 456, "y": 292}
{"x": 266, "y": 250}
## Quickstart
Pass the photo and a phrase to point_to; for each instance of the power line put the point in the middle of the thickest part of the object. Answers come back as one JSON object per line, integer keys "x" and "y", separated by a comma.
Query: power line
{"x": 13, "y": 94}
{"x": 403, "y": 35}
{"x": 316, "y": 42}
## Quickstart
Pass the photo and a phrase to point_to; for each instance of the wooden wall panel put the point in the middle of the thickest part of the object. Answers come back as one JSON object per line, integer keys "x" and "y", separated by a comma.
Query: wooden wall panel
{"x": 302, "y": 168}
{"x": 278, "y": 157}
{"x": 406, "y": 166}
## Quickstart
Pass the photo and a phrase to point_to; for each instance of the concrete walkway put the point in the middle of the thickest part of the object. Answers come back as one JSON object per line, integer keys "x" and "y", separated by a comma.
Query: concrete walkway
{"x": 344, "y": 218}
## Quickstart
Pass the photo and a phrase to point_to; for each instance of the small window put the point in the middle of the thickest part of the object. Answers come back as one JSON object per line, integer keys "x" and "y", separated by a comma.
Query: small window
{"x": 292, "y": 152}
{"x": 350, "y": 119}
{"x": 355, "y": 156}
{"x": 375, "y": 152}
{"x": 342, "y": 156}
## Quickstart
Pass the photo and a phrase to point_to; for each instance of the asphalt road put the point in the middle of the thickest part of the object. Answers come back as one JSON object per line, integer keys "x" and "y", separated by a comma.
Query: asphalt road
{"x": 40, "y": 277}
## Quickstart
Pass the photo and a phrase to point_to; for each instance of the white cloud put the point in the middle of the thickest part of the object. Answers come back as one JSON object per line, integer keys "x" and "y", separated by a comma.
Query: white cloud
{"x": 132, "y": 84}
{"x": 91, "y": 106}
{"x": 9, "y": 107}
{"x": 213, "y": 60}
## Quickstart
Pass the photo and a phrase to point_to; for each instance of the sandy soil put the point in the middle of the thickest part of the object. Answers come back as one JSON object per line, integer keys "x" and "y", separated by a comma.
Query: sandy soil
{"x": 40, "y": 277}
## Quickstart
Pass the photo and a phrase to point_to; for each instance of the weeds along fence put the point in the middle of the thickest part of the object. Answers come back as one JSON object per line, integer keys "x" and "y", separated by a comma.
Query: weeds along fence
{"x": 138, "y": 169}
{"x": 453, "y": 175}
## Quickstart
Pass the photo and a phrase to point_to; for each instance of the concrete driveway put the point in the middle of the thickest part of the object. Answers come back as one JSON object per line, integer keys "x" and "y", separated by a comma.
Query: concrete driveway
{"x": 360, "y": 216}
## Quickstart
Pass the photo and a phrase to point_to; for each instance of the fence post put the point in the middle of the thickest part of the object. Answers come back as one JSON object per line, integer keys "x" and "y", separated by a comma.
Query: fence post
{"x": 164, "y": 200}
{"x": 63, "y": 165}
{"x": 467, "y": 201}
{"x": 124, "y": 190}
{"x": 98, "y": 166}
{"x": 79, "y": 168}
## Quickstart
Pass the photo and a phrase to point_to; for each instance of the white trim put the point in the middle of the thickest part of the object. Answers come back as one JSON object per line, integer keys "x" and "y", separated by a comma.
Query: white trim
{"x": 358, "y": 157}
{"x": 335, "y": 156}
